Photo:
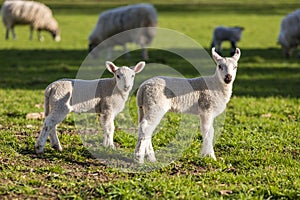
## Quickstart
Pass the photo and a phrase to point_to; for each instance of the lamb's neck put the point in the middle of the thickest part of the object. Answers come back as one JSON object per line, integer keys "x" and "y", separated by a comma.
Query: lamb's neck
{"x": 225, "y": 89}
{"x": 117, "y": 92}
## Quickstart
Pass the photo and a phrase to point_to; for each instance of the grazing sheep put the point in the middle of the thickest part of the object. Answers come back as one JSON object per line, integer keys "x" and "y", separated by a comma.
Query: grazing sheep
{"x": 36, "y": 14}
{"x": 232, "y": 34}
{"x": 204, "y": 96}
{"x": 122, "y": 19}
{"x": 104, "y": 96}
{"x": 289, "y": 36}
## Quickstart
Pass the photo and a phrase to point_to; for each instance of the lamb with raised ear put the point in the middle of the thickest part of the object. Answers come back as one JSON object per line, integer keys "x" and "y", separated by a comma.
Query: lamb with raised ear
{"x": 104, "y": 96}
{"x": 204, "y": 96}
{"x": 36, "y": 14}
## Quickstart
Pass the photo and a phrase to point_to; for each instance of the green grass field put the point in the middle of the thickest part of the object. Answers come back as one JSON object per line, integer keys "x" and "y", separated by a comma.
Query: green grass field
{"x": 258, "y": 152}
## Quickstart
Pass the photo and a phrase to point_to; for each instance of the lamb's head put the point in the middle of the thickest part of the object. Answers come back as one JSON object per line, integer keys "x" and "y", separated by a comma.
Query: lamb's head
{"x": 285, "y": 45}
{"x": 54, "y": 30}
{"x": 56, "y": 35}
{"x": 237, "y": 32}
{"x": 226, "y": 67}
{"x": 124, "y": 76}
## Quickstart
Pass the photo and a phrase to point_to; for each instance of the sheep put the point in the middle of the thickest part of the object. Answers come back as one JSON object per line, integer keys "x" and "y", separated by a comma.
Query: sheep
{"x": 36, "y": 14}
{"x": 232, "y": 34}
{"x": 289, "y": 36}
{"x": 104, "y": 96}
{"x": 141, "y": 19}
{"x": 204, "y": 96}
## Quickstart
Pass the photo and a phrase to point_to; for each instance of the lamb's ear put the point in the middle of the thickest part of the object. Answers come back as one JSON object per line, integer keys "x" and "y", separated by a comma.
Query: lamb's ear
{"x": 215, "y": 55}
{"x": 139, "y": 67}
{"x": 111, "y": 67}
{"x": 237, "y": 54}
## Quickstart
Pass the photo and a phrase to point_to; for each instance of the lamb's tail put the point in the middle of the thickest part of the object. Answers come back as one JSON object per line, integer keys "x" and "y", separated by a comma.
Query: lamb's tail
{"x": 139, "y": 101}
{"x": 47, "y": 94}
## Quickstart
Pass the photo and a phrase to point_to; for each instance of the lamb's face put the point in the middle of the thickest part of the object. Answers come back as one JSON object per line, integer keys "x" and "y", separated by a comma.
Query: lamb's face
{"x": 286, "y": 47}
{"x": 226, "y": 70}
{"x": 226, "y": 67}
{"x": 125, "y": 78}
{"x": 56, "y": 35}
{"x": 124, "y": 75}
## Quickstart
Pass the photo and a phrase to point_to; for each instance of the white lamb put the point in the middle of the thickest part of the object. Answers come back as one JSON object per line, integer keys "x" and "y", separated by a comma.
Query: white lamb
{"x": 289, "y": 36}
{"x": 122, "y": 19}
{"x": 204, "y": 96}
{"x": 104, "y": 96}
{"x": 36, "y": 14}
{"x": 232, "y": 34}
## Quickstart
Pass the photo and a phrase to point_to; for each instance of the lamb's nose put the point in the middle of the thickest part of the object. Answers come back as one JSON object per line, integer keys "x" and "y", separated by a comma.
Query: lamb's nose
{"x": 227, "y": 78}
{"x": 126, "y": 88}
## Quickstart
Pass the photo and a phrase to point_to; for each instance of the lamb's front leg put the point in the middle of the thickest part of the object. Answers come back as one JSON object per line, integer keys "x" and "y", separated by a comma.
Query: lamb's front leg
{"x": 207, "y": 130}
{"x": 7, "y": 34}
{"x": 107, "y": 123}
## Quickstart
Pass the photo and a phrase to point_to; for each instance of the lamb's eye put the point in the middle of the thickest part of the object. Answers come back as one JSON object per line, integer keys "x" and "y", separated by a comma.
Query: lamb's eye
{"x": 234, "y": 67}
{"x": 132, "y": 76}
{"x": 220, "y": 67}
{"x": 118, "y": 76}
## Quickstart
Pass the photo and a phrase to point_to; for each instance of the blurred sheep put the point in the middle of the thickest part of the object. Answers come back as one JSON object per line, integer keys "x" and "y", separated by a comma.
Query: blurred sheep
{"x": 36, "y": 14}
{"x": 121, "y": 19}
{"x": 232, "y": 34}
{"x": 289, "y": 36}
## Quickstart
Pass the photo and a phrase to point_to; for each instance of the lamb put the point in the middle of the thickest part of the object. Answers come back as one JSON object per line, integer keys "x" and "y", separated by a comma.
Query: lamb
{"x": 289, "y": 36}
{"x": 140, "y": 19}
{"x": 204, "y": 96}
{"x": 36, "y": 14}
{"x": 104, "y": 96}
{"x": 232, "y": 34}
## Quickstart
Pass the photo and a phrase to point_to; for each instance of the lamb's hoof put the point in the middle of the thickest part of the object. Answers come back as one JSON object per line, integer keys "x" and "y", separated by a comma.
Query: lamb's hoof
{"x": 151, "y": 158}
{"x": 210, "y": 155}
{"x": 39, "y": 149}
{"x": 109, "y": 146}
{"x": 57, "y": 147}
{"x": 139, "y": 158}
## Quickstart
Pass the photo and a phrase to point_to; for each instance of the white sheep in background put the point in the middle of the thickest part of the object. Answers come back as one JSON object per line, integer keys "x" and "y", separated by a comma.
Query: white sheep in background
{"x": 289, "y": 36}
{"x": 232, "y": 34}
{"x": 122, "y": 19}
{"x": 104, "y": 96}
{"x": 36, "y": 14}
{"x": 204, "y": 96}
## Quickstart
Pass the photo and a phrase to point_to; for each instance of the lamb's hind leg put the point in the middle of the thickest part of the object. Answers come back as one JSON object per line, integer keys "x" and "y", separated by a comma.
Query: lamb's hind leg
{"x": 54, "y": 141}
{"x": 49, "y": 127}
{"x": 13, "y": 33}
{"x": 207, "y": 130}
{"x": 145, "y": 130}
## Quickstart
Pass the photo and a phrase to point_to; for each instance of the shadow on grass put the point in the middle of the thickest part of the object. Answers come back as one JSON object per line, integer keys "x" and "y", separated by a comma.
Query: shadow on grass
{"x": 262, "y": 72}
{"x": 206, "y": 7}
{"x": 83, "y": 157}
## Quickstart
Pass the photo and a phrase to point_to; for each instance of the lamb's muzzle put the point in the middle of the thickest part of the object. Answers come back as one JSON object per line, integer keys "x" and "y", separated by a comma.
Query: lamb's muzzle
{"x": 227, "y": 78}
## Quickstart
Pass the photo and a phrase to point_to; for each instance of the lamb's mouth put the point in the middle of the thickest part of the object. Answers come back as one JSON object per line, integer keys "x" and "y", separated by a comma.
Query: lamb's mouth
{"x": 227, "y": 78}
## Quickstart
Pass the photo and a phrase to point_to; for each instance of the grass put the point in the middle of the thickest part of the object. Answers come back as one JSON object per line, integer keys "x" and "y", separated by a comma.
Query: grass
{"x": 258, "y": 149}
